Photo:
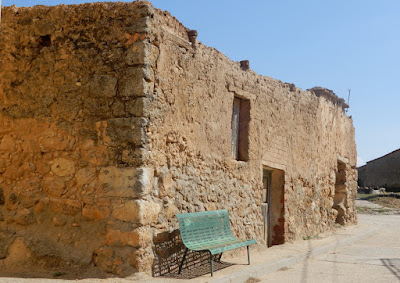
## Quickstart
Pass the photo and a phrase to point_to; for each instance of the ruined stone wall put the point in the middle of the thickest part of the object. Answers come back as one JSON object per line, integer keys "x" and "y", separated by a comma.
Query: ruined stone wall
{"x": 382, "y": 172}
{"x": 73, "y": 187}
{"x": 111, "y": 123}
{"x": 292, "y": 130}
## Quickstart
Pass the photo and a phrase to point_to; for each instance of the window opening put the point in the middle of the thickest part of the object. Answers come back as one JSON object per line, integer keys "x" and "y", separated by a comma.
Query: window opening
{"x": 240, "y": 129}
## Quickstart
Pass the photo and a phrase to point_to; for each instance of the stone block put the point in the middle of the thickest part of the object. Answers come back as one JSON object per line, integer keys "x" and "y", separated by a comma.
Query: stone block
{"x": 62, "y": 167}
{"x": 126, "y": 131}
{"x": 166, "y": 185}
{"x": 142, "y": 260}
{"x": 103, "y": 86}
{"x": 39, "y": 207}
{"x": 97, "y": 156}
{"x": 7, "y": 143}
{"x": 118, "y": 238}
{"x": 135, "y": 55}
{"x": 142, "y": 53}
{"x": 144, "y": 183}
{"x": 171, "y": 210}
{"x": 136, "y": 211}
{"x": 51, "y": 140}
{"x": 53, "y": 185}
{"x": 65, "y": 206}
{"x": 24, "y": 217}
{"x": 7, "y": 237}
{"x": 43, "y": 27}
{"x": 126, "y": 182}
{"x": 85, "y": 176}
{"x": 3, "y": 164}
{"x": 18, "y": 252}
{"x": 13, "y": 171}
{"x": 59, "y": 220}
{"x": 104, "y": 258}
{"x": 148, "y": 212}
{"x": 95, "y": 213}
{"x": 341, "y": 188}
{"x": 97, "y": 107}
{"x": 127, "y": 211}
{"x": 103, "y": 202}
{"x": 136, "y": 107}
{"x": 118, "y": 109}
{"x": 138, "y": 81}
{"x": 31, "y": 146}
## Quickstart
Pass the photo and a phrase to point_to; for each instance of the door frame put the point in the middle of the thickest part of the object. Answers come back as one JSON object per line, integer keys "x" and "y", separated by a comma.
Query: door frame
{"x": 267, "y": 172}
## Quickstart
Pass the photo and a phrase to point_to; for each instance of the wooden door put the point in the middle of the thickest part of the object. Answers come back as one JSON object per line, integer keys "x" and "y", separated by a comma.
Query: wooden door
{"x": 266, "y": 205}
{"x": 235, "y": 129}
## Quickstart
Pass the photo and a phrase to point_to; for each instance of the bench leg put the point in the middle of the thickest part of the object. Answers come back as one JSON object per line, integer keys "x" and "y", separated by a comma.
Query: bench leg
{"x": 248, "y": 254}
{"x": 219, "y": 258}
{"x": 212, "y": 264}
{"x": 183, "y": 259}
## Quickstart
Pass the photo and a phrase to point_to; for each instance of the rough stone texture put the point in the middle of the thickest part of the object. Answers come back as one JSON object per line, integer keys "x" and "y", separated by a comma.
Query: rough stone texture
{"x": 72, "y": 134}
{"x": 381, "y": 172}
{"x": 112, "y": 122}
{"x": 303, "y": 134}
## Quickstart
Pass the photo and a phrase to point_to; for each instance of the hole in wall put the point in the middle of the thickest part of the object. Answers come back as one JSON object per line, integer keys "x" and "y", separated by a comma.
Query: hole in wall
{"x": 240, "y": 129}
{"x": 45, "y": 41}
{"x": 2, "y": 198}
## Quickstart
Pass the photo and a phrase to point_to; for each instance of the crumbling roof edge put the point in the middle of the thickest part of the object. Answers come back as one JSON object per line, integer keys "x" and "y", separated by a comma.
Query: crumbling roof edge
{"x": 329, "y": 95}
{"x": 318, "y": 91}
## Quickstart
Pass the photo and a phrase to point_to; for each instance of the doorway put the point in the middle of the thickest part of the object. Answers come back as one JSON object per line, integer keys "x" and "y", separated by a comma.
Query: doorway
{"x": 273, "y": 206}
{"x": 266, "y": 196}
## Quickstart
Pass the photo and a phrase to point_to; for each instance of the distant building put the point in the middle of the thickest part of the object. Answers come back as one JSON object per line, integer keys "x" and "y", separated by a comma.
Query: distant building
{"x": 382, "y": 172}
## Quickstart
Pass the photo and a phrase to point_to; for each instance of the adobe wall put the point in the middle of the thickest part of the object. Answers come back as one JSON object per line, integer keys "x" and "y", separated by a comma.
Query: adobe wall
{"x": 302, "y": 133}
{"x": 73, "y": 187}
{"x": 382, "y": 172}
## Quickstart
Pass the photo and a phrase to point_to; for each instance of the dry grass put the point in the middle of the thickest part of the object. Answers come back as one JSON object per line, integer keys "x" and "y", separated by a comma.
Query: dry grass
{"x": 390, "y": 200}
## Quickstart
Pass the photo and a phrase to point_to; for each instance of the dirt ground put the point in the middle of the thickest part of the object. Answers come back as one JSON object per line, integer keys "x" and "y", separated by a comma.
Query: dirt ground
{"x": 389, "y": 202}
{"x": 384, "y": 205}
{"x": 372, "y": 259}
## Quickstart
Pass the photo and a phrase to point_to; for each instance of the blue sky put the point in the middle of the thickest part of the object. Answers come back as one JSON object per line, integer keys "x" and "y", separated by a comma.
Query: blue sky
{"x": 338, "y": 44}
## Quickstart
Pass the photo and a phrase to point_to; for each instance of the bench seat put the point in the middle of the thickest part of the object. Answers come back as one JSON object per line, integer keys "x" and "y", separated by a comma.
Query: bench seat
{"x": 209, "y": 231}
{"x": 222, "y": 245}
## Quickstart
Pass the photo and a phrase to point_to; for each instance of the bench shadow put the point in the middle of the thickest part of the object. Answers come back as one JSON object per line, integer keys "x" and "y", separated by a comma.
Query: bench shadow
{"x": 393, "y": 264}
{"x": 169, "y": 250}
{"x": 197, "y": 270}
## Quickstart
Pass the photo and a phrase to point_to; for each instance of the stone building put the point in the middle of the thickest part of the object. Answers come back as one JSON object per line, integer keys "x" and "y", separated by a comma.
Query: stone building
{"x": 381, "y": 172}
{"x": 112, "y": 120}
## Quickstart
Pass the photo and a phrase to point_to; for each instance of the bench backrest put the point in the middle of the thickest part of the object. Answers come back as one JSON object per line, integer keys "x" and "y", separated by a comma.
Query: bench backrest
{"x": 202, "y": 228}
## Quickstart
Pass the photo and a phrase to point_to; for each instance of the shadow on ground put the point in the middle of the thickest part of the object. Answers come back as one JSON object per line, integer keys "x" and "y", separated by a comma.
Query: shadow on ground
{"x": 169, "y": 251}
{"x": 393, "y": 264}
{"x": 197, "y": 270}
{"x": 59, "y": 273}
{"x": 196, "y": 264}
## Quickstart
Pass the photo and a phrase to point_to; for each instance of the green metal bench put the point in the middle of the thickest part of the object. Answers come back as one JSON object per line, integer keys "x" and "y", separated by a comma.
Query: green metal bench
{"x": 209, "y": 231}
